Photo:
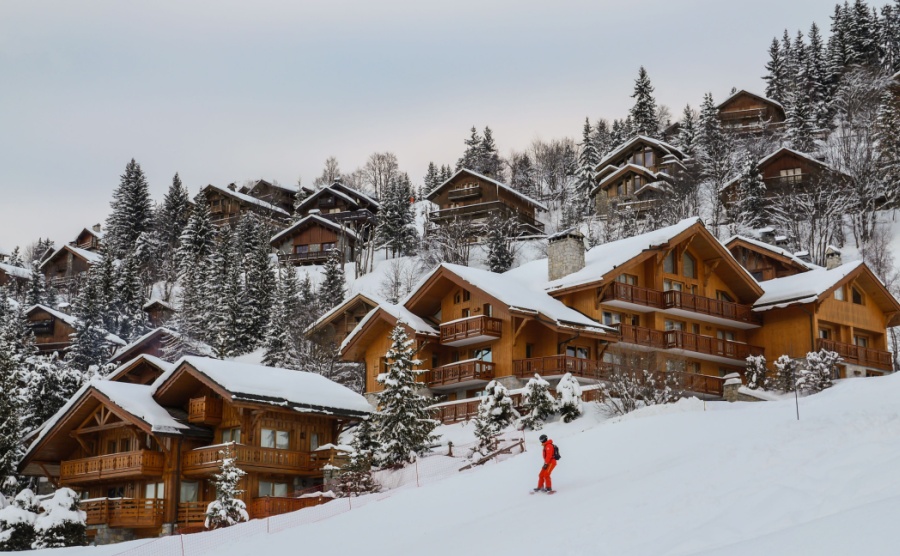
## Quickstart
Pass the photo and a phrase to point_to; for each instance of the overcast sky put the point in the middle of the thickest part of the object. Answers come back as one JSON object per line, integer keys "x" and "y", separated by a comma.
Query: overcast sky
{"x": 224, "y": 91}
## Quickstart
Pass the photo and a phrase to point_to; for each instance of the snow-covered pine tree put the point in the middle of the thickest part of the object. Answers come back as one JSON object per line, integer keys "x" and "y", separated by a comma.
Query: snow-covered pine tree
{"x": 588, "y": 158}
{"x": 888, "y": 141}
{"x": 602, "y": 138}
{"x": 801, "y": 122}
{"x": 568, "y": 393}
{"x": 37, "y": 289}
{"x": 714, "y": 155}
{"x": 775, "y": 77}
{"x": 817, "y": 80}
{"x": 51, "y": 383}
{"x": 61, "y": 523}
{"x": 500, "y": 235}
{"x": 88, "y": 352}
{"x": 174, "y": 213}
{"x": 446, "y": 172}
{"x": 334, "y": 286}
{"x": 227, "y": 510}
{"x": 131, "y": 214}
{"x": 132, "y": 321}
{"x": 258, "y": 278}
{"x": 228, "y": 336}
{"x": 432, "y": 179}
{"x": 491, "y": 166}
{"x": 750, "y": 206}
{"x": 495, "y": 413}
{"x": 687, "y": 131}
{"x": 396, "y": 230}
{"x": 817, "y": 373}
{"x": 17, "y": 522}
{"x": 889, "y": 40}
{"x": 786, "y": 374}
{"x": 644, "y": 117}
{"x": 280, "y": 347}
{"x": 12, "y": 362}
{"x": 538, "y": 404}
{"x": 471, "y": 157}
{"x": 103, "y": 275}
{"x": 522, "y": 175}
{"x": 356, "y": 478}
{"x": 299, "y": 197}
{"x": 756, "y": 372}
{"x": 404, "y": 423}
{"x": 838, "y": 51}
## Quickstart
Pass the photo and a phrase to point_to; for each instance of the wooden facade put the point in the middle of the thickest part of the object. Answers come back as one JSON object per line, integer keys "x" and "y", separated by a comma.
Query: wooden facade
{"x": 159, "y": 312}
{"x": 274, "y": 194}
{"x": 765, "y": 262}
{"x": 313, "y": 239}
{"x": 90, "y": 239}
{"x": 472, "y": 198}
{"x": 334, "y": 326}
{"x": 52, "y": 333}
{"x": 226, "y": 205}
{"x": 152, "y": 343}
{"x": 64, "y": 268}
{"x": 15, "y": 278}
{"x": 745, "y": 112}
{"x": 142, "y": 456}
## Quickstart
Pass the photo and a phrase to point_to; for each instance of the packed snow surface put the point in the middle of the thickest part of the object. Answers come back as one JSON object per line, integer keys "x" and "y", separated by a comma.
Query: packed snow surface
{"x": 805, "y": 287}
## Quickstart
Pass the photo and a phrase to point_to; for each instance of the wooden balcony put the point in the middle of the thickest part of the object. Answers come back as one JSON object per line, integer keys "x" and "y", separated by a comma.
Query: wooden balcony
{"x": 206, "y": 461}
{"x": 471, "y": 372}
{"x": 703, "y": 347}
{"x": 192, "y": 514}
{"x": 206, "y": 410}
{"x": 857, "y": 355}
{"x": 133, "y": 513}
{"x": 310, "y": 257}
{"x": 745, "y": 114}
{"x": 268, "y": 506}
{"x": 471, "y": 330}
{"x": 469, "y": 192}
{"x": 557, "y": 365}
{"x": 124, "y": 465}
{"x": 683, "y": 304}
{"x": 628, "y": 296}
{"x": 483, "y": 211}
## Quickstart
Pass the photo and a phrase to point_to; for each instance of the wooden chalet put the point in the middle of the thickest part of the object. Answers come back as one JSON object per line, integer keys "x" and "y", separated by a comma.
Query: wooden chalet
{"x": 15, "y": 278}
{"x": 53, "y": 330}
{"x": 227, "y": 204}
{"x": 637, "y": 175}
{"x": 340, "y": 203}
{"x": 312, "y": 239}
{"x": 764, "y": 261}
{"x": 845, "y": 309}
{"x": 473, "y": 198}
{"x": 152, "y": 343}
{"x": 277, "y": 195}
{"x": 785, "y": 171}
{"x": 334, "y": 326}
{"x": 143, "y": 456}
{"x": 159, "y": 312}
{"x": 64, "y": 267}
{"x": 746, "y": 112}
{"x": 89, "y": 239}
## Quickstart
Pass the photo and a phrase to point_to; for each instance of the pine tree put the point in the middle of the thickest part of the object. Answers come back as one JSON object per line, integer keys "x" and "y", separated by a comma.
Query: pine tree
{"x": 432, "y": 179}
{"x": 568, "y": 393}
{"x": 588, "y": 158}
{"x": 602, "y": 138}
{"x": 15, "y": 258}
{"x": 800, "y": 123}
{"x": 446, "y": 173}
{"x": 61, "y": 524}
{"x": 500, "y": 234}
{"x": 227, "y": 510}
{"x": 404, "y": 422}
{"x": 889, "y": 41}
{"x": 132, "y": 212}
{"x": 888, "y": 144}
{"x": 775, "y": 77}
{"x": 756, "y": 372}
{"x": 495, "y": 413}
{"x": 12, "y": 371}
{"x": 131, "y": 319}
{"x": 471, "y": 158}
{"x": 259, "y": 278}
{"x": 299, "y": 197}
{"x": 229, "y": 335}
{"x": 817, "y": 80}
{"x": 538, "y": 403}
{"x": 51, "y": 383}
{"x": 687, "y": 131}
{"x": 862, "y": 35}
{"x": 396, "y": 229}
{"x": 355, "y": 478}
{"x": 750, "y": 206}
{"x": 839, "y": 53}
{"x": 17, "y": 522}
{"x": 818, "y": 371}
{"x": 174, "y": 213}
{"x": 786, "y": 374}
{"x": 280, "y": 347}
{"x": 489, "y": 157}
{"x": 37, "y": 289}
{"x": 522, "y": 175}
{"x": 88, "y": 351}
{"x": 644, "y": 117}
{"x": 334, "y": 286}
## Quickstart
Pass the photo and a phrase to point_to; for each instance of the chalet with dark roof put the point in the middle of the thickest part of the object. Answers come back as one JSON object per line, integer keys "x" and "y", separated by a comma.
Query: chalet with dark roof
{"x": 275, "y": 194}
{"x": 313, "y": 239}
{"x": 746, "y": 112}
{"x": 227, "y": 204}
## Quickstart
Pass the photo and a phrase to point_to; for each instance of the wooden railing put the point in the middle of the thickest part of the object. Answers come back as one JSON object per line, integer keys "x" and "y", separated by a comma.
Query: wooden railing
{"x": 304, "y": 257}
{"x": 471, "y": 327}
{"x": 192, "y": 513}
{"x": 552, "y": 365}
{"x": 642, "y": 336}
{"x": 484, "y": 210}
{"x": 712, "y": 307}
{"x": 679, "y": 339}
{"x": 140, "y": 463}
{"x": 634, "y": 294}
{"x": 743, "y": 114}
{"x": 206, "y": 460}
{"x": 859, "y": 355}
{"x": 277, "y": 505}
{"x": 473, "y": 369}
{"x": 206, "y": 410}
{"x": 464, "y": 192}
{"x": 124, "y": 512}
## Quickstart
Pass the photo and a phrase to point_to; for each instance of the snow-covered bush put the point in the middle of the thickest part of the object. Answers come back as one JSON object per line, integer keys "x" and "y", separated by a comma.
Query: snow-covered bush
{"x": 629, "y": 389}
{"x": 61, "y": 523}
{"x": 17, "y": 522}
{"x": 785, "y": 377}
{"x": 227, "y": 509}
{"x": 816, "y": 375}
{"x": 495, "y": 413}
{"x": 569, "y": 398}
{"x": 756, "y": 372}
{"x": 538, "y": 404}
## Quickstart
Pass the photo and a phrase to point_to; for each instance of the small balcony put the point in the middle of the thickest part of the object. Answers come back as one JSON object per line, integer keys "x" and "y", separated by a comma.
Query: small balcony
{"x": 206, "y": 461}
{"x": 471, "y": 330}
{"x": 133, "y": 513}
{"x": 471, "y": 372}
{"x": 701, "y": 347}
{"x": 858, "y": 355}
{"x": 680, "y": 303}
{"x": 309, "y": 257}
{"x": 554, "y": 366}
{"x": 469, "y": 192}
{"x": 124, "y": 465}
{"x": 475, "y": 212}
{"x": 206, "y": 410}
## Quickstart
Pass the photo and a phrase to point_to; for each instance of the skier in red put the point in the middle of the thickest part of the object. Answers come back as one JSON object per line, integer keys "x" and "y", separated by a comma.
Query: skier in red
{"x": 549, "y": 465}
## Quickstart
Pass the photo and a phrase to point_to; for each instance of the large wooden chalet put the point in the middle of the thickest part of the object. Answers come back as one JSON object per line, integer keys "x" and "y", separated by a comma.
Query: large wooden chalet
{"x": 15, "y": 278}
{"x": 63, "y": 267}
{"x": 314, "y": 238}
{"x": 53, "y": 330}
{"x": 637, "y": 175}
{"x": 227, "y": 204}
{"x": 344, "y": 205}
{"x": 746, "y": 112}
{"x": 275, "y": 194}
{"x": 142, "y": 455}
{"x": 334, "y": 326}
{"x": 472, "y": 198}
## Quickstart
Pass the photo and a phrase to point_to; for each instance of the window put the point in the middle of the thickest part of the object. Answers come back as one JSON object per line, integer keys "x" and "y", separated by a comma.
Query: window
{"x": 648, "y": 159}
{"x": 670, "y": 285}
{"x": 688, "y": 265}
{"x": 313, "y": 441}
{"x": 695, "y": 329}
{"x": 610, "y": 318}
{"x": 673, "y": 365}
{"x": 466, "y": 295}
{"x": 629, "y": 279}
{"x": 638, "y": 181}
{"x": 723, "y": 296}
{"x": 637, "y": 158}
{"x": 154, "y": 490}
{"x": 669, "y": 263}
{"x": 693, "y": 367}
{"x": 674, "y": 325}
{"x": 488, "y": 310}
{"x": 725, "y": 335}
{"x": 231, "y": 435}
{"x": 758, "y": 276}
{"x": 115, "y": 492}
{"x": 124, "y": 444}
{"x": 483, "y": 354}
{"x": 314, "y": 247}
{"x": 529, "y": 351}
{"x": 190, "y": 491}
{"x": 111, "y": 447}
{"x": 457, "y": 297}
{"x": 271, "y": 438}
{"x": 578, "y": 352}
{"x": 861, "y": 341}
{"x": 839, "y": 293}
{"x": 268, "y": 488}
{"x": 465, "y": 313}
{"x": 856, "y": 296}
{"x": 825, "y": 333}
{"x": 301, "y": 249}
{"x": 328, "y": 246}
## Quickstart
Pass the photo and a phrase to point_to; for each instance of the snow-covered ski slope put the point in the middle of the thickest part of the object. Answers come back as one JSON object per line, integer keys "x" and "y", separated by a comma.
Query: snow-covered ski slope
{"x": 686, "y": 479}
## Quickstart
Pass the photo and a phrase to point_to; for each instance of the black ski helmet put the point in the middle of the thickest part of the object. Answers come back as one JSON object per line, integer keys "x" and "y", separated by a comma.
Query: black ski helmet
{"x": 543, "y": 438}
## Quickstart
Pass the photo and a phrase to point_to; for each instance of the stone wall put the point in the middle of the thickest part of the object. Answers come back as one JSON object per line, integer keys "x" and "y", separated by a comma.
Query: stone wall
{"x": 110, "y": 535}
{"x": 565, "y": 254}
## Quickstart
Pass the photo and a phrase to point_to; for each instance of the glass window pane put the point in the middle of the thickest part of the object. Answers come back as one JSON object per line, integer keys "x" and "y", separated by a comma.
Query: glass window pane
{"x": 150, "y": 490}
{"x": 267, "y": 438}
{"x": 280, "y": 489}
{"x": 669, "y": 263}
{"x": 282, "y": 441}
{"x": 189, "y": 491}
{"x": 313, "y": 441}
{"x": 265, "y": 488}
{"x": 688, "y": 262}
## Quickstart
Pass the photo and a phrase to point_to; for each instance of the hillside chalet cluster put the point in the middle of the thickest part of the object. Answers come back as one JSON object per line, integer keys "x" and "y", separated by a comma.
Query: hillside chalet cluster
{"x": 140, "y": 444}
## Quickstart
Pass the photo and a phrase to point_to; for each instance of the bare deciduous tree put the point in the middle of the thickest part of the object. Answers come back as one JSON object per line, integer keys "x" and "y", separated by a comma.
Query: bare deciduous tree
{"x": 379, "y": 171}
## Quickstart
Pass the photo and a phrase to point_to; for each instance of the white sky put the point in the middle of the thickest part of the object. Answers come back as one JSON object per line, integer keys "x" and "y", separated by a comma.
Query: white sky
{"x": 224, "y": 91}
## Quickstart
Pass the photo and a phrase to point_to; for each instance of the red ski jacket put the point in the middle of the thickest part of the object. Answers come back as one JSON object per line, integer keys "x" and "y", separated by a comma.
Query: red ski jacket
{"x": 548, "y": 451}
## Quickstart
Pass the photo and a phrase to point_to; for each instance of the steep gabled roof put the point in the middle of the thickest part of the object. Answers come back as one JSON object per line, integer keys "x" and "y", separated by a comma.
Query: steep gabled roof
{"x": 289, "y": 188}
{"x": 771, "y": 157}
{"x": 621, "y": 149}
{"x": 244, "y": 198}
{"x": 89, "y": 257}
{"x": 15, "y": 271}
{"x": 773, "y": 251}
{"x": 70, "y": 320}
{"x": 354, "y": 198}
{"x": 760, "y": 98}
{"x": 391, "y": 314}
{"x": 92, "y": 232}
{"x": 120, "y": 372}
{"x": 625, "y": 169}
{"x": 368, "y": 299}
{"x": 500, "y": 185}
{"x": 312, "y": 220}
{"x": 131, "y": 350}
{"x": 161, "y": 303}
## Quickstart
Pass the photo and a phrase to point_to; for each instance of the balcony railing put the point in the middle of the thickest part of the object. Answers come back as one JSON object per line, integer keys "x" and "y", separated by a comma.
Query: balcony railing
{"x": 464, "y": 193}
{"x": 555, "y": 365}
{"x": 133, "y": 513}
{"x": 276, "y": 505}
{"x": 634, "y": 294}
{"x": 462, "y": 371}
{"x": 786, "y": 181}
{"x": 206, "y": 460}
{"x": 309, "y": 256}
{"x": 679, "y": 339}
{"x": 859, "y": 355}
{"x": 470, "y": 330}
{"x": 484, "y": 210}
{"x": 140, "y": 463}
{"x": 754, "y": 113}
{"x": 206, "y": 410}
{"x": 673, "y": 299}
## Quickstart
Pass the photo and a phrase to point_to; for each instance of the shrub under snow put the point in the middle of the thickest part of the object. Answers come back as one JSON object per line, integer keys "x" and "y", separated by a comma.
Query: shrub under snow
{"x": 495, "y": 413}
{"x": 227, "y": 509}
{"x": 538, "y": 403}
{"x": 569, "y": 398}
{"x": 756, "y": 371}
{"x": 61, "y": 523}
{"x": 816, "y": 375}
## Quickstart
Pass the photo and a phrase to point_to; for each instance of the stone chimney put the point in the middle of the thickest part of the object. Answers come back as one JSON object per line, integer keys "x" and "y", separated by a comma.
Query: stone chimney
{"x": 96, "y": 227}
{"x": 232, "y": 186}
{"x": 565, "y": 253}
{"x": 832, "y": 257}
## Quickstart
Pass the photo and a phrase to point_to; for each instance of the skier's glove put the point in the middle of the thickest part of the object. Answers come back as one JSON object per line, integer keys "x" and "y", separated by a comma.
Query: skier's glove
{"x": 544, "y": 467}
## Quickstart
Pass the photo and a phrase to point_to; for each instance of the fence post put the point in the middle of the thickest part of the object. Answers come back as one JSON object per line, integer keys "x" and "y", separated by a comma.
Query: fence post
{"x": 417, "y": 472}
{"x": 182, "y": 544}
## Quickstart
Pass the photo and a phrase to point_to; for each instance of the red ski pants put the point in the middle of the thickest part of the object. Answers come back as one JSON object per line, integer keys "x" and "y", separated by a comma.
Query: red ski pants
{"x": 544, "y": 477}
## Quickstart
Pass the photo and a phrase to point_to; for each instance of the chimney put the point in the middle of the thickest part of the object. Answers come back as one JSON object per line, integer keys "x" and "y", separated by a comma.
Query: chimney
{"x": 96, "y": 227}
{"x": 832, "y": 257}
{"x": 232, "y": 186}
{"x": 803, "y": 256}
{"x": 565, "y": 253}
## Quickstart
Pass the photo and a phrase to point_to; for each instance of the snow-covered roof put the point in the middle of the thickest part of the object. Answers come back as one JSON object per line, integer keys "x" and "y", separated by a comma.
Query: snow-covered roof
{"x": 745, "y": 92}
{"x": 164, "y": 366}
{"x": 153, "y": 302}
{"x": 311, "y": 219}
{"x": 400, "y": 313}
{"x": 290, "y": 187}
{"x": 246, "y": 198}
{"x": 618, "y": 151}
{"x": 302, "y": 391}
{"x": 782, "y": 150}
{"x": 71, "y": 321}
{"x": 626, "y": 168}
{"x": 771, "y": 248}
{"x": 16, "y": 271}
{"x": 137, "y": 399}
{"x": 90, "y": 256}
{"x": 431, "y": 194}
{"x": 338, "y": 189}
{"x": 805, "y": 287}
{"x": 339, "y": 308}
{"x": 96, "y": 233}
{"x": 197, "y": 346}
